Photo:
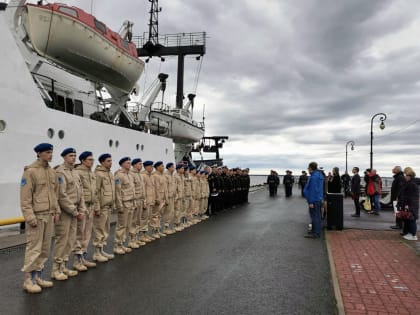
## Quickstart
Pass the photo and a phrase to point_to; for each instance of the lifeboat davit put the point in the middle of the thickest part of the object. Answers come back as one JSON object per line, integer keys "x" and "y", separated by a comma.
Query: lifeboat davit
{"x": 78, "y": 41}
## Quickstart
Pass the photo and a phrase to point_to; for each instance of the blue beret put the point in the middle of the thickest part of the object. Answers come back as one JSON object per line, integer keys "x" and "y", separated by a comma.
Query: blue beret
{"x": 43, "y": 147}
{"x": 124, "y": 159}
{"x": 103, "y": 157}
{"x": 67, "y": 151}
{"x": 158, "y": 163}
{"x": 147, "y": 163}
{"x": 178, "y": 166}
{"x": 83, "y": 156}
{"x": 202, "y": 172}
{"x": 191, "y": 167}
{"x": 170, "y": 164}
{"x": 186, "y": 167}
{"x": 135, "y": 161}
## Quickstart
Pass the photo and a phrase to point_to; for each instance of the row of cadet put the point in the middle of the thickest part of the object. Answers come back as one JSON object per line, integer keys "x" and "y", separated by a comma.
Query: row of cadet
{"x": 78, "y": 202}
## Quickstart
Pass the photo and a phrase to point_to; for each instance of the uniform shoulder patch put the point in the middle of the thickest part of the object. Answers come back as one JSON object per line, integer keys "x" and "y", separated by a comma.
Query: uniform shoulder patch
{"x": 23, "y": 182}
{"x": 117, "y": 181}
{"x": 60, "y": 180}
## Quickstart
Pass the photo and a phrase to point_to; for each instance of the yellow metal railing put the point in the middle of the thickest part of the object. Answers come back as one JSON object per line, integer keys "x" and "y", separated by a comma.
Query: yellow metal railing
{"x": 11, "y": 221}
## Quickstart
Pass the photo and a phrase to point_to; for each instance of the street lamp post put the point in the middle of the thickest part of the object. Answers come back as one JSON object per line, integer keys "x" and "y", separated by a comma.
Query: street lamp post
{"x": 351, "y": 142}
{"x": 382, "y": 118}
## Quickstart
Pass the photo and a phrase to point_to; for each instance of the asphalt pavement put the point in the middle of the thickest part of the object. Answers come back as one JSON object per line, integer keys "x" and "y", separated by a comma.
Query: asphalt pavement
{"x": 248, "y": 260}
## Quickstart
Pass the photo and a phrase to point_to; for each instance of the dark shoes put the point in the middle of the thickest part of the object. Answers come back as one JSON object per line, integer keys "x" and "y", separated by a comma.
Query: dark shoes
{"x": 395, "y": 227}
{"x": 355, "y": 215}
{"x": 311, "y": 236}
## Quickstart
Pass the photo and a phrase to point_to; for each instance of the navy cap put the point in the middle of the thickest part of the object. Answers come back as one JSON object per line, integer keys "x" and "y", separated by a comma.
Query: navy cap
{"x": 191, "y": 167}
{"x": 178, "y": 166}
{"x": 169, "y": 165}
{"x": 206, "y": 173}
{"x": 202, "y": 172}
{"x": 135, "y": 161}
{"x": 67, "y": 151}
{"x": 103, "y": 157}
{"x": 124, "y": 159}
{"x": 147, "y": 163}
{"x": 43, "y": 147}
{"x": 84, "y": 155}
{"x": 158, "y": 163}
{"x": 186, "y": 167}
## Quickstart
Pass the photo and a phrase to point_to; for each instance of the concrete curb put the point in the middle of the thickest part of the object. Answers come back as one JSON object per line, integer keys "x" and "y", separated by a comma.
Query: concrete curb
{"x": 337, "y": 291}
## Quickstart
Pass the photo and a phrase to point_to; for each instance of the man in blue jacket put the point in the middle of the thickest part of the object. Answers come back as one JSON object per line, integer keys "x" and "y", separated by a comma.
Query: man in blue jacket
{"x": 314, "y": 194}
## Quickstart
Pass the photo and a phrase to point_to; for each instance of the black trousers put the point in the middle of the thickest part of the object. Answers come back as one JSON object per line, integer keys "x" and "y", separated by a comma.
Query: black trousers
{"x": 288, "y": 190}
{"x": 356, "y": 203}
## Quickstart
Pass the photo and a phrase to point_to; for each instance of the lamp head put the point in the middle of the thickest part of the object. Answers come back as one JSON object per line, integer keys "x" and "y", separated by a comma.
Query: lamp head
{"x": 352, "y": 147}
{"x": 382, "y": 125}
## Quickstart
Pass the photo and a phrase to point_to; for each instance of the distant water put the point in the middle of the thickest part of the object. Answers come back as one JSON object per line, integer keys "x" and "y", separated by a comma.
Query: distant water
{"x": 261, "y": 179}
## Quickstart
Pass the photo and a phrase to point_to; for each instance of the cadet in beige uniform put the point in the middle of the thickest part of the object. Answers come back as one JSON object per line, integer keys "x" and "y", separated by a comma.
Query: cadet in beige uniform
{"x": 124, "y": 203}
{"x": 84, "y": 227}
{"x": 168, "y": 214}
{"x": 160, "y": 198}
{"x": 196, "y": 195}
{"x": 149, "y": 201}
{"x": 72, "y": 205}
{"x": 140, "y": 205}
{"x": 105, "y": 187}
{"x": 204, "y": 195}
{"x": 179, "y": 197}
{"x": 187, "y": 197}
{"x": 39, "y": 205}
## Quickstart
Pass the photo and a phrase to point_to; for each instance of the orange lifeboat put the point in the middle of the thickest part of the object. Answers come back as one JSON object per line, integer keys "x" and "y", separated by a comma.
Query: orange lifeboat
{"x": 79, "y": 42}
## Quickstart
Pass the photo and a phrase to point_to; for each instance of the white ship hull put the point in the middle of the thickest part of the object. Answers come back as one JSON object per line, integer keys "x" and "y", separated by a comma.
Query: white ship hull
{"x": 26, "y": 121}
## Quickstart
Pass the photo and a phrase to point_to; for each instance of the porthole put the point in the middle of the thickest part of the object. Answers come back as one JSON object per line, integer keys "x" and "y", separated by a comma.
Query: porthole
{"x": 166, "y": 151}
{"x": 117, "y": 143}
{"x": 50, "y": 132}
{"x": 142, "y": 147}
{"x": 2, "y": 125}
{"x": 110, "y": 142}
{"x": 61, "y": 134}
{"x": 137, "y": 146}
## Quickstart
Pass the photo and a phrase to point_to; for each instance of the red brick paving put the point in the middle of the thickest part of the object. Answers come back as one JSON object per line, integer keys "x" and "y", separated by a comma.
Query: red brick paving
{"x": 377, "y": 271}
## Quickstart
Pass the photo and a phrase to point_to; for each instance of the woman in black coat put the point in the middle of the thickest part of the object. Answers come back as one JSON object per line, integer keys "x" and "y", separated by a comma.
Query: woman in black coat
{"x": 409, "y": 201}
{"x": 334, "y": 184}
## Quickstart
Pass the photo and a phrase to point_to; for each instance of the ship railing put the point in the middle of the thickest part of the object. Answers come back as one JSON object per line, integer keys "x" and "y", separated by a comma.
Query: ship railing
{"x": 173, "y": 40}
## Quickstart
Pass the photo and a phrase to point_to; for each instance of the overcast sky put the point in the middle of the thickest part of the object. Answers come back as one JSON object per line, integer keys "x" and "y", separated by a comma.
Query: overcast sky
{"x": 292, "y": 81}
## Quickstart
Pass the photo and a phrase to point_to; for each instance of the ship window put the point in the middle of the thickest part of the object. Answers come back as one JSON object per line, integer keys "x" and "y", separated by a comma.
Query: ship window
{"x": 61, "y": 134}
{"x": 137, "y": 146}
{"x": 50, "y": 132}
{"x": 124, "y": 43}
{"x": 2, "y": 125}
{"x": 69, "y": 106}
{"x": 59, "y": 105}
{"x": 78, "y": 108}
{"x": 142, "y": 147}
{"x": 166, "y": 151}
{"x": 100, "y": 26}
{"x": 117, "y": 143}
{"x": 110, "y": 142}
{"x": 69, "y": 11}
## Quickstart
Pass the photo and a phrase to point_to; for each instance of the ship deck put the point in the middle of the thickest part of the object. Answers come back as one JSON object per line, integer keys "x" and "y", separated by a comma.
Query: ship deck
{"x": 248, "y": 260}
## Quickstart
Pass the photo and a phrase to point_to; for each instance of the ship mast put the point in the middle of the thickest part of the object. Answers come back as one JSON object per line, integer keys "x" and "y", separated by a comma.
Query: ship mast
{"x": 180, "y": 45}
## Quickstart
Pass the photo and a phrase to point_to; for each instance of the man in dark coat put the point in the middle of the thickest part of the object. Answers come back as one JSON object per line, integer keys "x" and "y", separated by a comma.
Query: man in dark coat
{"x": 288, "y": 181}
{"x": 355, "y": 191}
{"x": 273, "y": 182}
{"x": 345, "y": 178}
{"x": 396, "y": 187}
{"x": 303, "y": 179}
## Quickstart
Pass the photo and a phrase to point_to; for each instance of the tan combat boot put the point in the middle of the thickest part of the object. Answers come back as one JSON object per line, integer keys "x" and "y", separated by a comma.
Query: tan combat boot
{"x": 139, "y": 242}
{"x": 133, "y": 242}
{"x": 179, "y": 227}
{"x": 126, "y": 249}
{"x": 78, "y": 264}
{"x": 161, "y": 233}
{"x": 68, "y": 272}
{"x": 57, "y": 274}
{"x": 155, "y": 233}
{"x": 150, "y": 237}
{"x": 144, "y": 238}
{"x": 119, "y": 250}
{"x": 86, "y": 262}
{"x": 30, "y": 284}
{"x": 105, "y": 254}
{"x": 97, "y": 256}
{"x": 168, "y": 231}
{"x": 41, "y": 282}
